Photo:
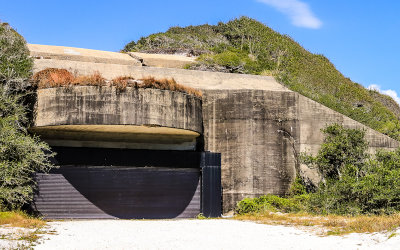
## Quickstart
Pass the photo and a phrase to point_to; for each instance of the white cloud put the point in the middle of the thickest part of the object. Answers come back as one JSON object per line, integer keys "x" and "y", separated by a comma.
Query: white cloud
{"x": 388, "y": 92}
{"x": 298, "y": 11}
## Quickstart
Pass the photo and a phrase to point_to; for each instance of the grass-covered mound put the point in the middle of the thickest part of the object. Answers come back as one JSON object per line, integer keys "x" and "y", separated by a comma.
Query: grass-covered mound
{"x": 245, "y": 45}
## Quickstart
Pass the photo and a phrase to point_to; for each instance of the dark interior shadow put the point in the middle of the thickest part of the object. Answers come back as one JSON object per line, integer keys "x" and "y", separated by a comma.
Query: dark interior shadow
{"x": 126, "y": 157}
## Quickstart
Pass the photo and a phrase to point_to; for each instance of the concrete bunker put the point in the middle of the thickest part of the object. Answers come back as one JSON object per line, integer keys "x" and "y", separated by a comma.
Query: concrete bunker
{"x": 241, "y": 117}
{"x": 135, "y": 153}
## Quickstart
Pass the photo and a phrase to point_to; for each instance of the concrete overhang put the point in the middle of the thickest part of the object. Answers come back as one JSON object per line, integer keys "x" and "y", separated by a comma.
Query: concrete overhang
{"x": 90, "y": 116}
{"x": 118, "y": 136}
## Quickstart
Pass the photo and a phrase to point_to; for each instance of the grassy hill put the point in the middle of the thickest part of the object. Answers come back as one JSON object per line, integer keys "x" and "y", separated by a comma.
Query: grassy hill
{"x": 247, "y": 46}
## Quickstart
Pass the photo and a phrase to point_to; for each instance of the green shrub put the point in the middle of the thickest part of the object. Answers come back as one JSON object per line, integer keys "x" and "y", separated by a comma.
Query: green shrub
{"x": 248, "y": 205}
{"x": 355, "y": 182}
{"x": 20, "y": 154}
{"x": 341, "y": 147}
{"x": 272, "y": 203}
{"x": 298, "y": 187}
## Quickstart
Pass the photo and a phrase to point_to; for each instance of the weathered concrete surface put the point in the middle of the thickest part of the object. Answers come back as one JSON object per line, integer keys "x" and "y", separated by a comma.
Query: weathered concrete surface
{"x": 147, "y": 116}
{"x": 244, "y": 125}
{"x": 314, "y": 116}
{"x": 89, "y": 105}
{"x": 78, "y": 54}
{"x": 163, "y": 60}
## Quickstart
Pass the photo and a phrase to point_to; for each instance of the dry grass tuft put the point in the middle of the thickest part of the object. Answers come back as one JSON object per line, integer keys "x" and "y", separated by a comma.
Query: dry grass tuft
{"x": 122, "y": 82}
{"x": 96, "y": 79}
{"x": 168, "y": 84}
{"x": 20, "y": 219}
{"x": 337, "y": 225}
{"x": 52, "y": 77}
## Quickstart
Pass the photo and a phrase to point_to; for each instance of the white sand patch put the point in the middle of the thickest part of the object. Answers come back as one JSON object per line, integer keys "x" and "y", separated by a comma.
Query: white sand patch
{"x": 200, "y": 234}
{"x": 14, "y": 237}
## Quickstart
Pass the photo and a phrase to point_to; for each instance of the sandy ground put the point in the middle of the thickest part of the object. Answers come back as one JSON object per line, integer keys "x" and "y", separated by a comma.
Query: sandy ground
{"x": 14, "y": 237}
{"x": 200, "y": 234}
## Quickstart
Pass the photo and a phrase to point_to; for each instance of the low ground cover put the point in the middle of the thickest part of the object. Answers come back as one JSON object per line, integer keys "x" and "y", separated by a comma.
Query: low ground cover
{"x": 329, "y": 224}
{"x": 20, "y": 219}
{"x": 19, "y": 230}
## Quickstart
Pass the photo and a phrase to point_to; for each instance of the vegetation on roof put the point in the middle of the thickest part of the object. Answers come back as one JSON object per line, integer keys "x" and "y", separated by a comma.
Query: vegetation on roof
{"x": 150, "y": 82}
{"x": 53, "y": 77}
{"x": 245, "y": 45}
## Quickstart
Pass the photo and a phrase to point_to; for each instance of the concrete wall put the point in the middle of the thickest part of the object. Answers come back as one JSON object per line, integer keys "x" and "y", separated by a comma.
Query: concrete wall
{"x": 244, "y": 125}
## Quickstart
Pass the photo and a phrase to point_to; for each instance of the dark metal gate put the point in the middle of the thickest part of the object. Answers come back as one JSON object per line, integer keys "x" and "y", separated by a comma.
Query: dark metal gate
{"x": 122, "y": 183}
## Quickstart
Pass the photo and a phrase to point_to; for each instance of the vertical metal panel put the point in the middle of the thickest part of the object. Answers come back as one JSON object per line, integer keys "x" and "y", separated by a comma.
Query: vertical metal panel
{"x": 211, "y": 184}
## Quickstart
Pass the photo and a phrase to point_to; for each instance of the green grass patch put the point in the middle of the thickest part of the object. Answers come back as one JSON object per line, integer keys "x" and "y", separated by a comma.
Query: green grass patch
{"x": 20, "y": 219}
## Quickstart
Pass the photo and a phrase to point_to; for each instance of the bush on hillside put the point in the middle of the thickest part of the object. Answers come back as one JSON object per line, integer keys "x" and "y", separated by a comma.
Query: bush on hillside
{"x": 15, "y": 63}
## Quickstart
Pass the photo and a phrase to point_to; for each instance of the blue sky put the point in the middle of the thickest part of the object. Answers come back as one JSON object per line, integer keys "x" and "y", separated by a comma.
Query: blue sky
{"x": 361, "y": 37}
